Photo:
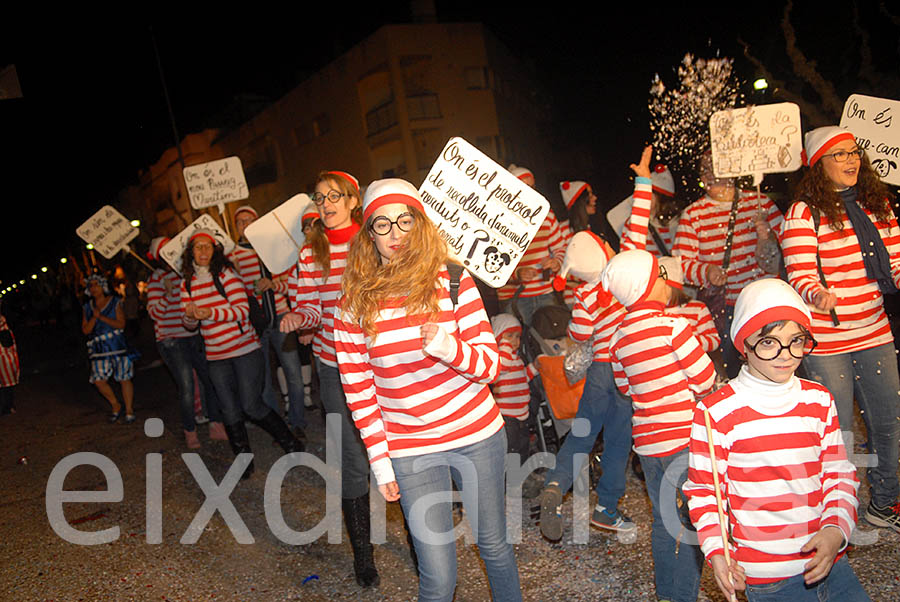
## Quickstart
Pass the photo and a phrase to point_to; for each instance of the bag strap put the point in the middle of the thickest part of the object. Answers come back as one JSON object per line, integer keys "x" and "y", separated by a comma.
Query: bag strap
{"x": 455, "y": 271}
{"x": 729, "y": 238}
{"x": 658, "y": 240}
{"x": 816, "y": 217}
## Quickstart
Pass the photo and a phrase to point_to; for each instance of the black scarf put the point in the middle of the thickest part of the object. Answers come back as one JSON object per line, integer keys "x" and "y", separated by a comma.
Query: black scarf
{"x": 874, "y": 254}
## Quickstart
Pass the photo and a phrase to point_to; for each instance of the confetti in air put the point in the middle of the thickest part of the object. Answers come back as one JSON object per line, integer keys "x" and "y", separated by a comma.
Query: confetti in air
{"x": 679, "y": 117}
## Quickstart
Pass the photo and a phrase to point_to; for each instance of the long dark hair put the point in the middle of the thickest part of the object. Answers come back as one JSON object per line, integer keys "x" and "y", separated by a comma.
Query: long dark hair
{"x": 817, "y": 191}
{"x": 218, "y": 262}
{"x": 578, "y": 216}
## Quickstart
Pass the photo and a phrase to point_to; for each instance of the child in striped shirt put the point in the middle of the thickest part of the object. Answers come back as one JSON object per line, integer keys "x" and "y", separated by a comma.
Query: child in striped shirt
{"x": 788, "y": 490}
{"x": 660, "y": 365}
{"x": 510, "y": 389}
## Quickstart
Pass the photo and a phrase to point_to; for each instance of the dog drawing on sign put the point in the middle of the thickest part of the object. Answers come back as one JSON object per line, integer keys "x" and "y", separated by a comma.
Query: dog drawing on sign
{"x": 494, "y": 261}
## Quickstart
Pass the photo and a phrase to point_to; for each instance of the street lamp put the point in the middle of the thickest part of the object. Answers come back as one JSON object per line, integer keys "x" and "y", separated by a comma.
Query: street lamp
{"x": 90, "y": 247}
{"x": 760, "y": 84}
{"x": 63, "y": 260}
{"x": 135, "y": 223}
{"x": 44, "y": 269}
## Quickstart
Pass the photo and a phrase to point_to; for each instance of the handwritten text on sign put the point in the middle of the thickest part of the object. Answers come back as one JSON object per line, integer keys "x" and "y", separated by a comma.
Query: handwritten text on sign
{"x": 486, "y": 215}
{"x": 756, "y": 140}
{"x": 216, "y": 183}
{"x": 872, "y": 122}
{"x": 108, "y": 230}
{"x": 173, "y": 250}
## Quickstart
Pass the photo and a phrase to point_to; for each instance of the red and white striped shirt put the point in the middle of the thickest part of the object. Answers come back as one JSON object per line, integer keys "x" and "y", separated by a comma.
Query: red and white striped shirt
{"x": 860, "y": 304}
{"x": 659, "y": 364}
{"x": 782, "y": 470}
{"x": 550, "y": 241}
{"x": 227, "y": 332}
{"x": 511, "y": 390}
{"x": 594, "y": 320}
{"x": 247, "y": 263}
{"x": 636, "y": 230}
{"x": 409, "y": 401}
{"x": 9, "y": 360}
{"x": 702, "y": 232}
{"x": 164, "y": 305}
{"x": 316, "y": 298}
{"x": 698, "y": 316}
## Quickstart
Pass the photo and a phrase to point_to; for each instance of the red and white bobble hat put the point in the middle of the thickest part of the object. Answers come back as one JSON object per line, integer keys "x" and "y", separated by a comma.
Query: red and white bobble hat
{"x": 248, "y": 209}
{"x": 519, "y": 172}
{"x": 388, "y": 192}
{"x": 586, "y": 256}
{"x": 309, "y": 212}
{"x": 763, "y": 302}
{"x": 663, "y": 182}
{"x": 504, "y": 323}
{"x": 674, "y": 272}
{"x": 571, "y": 190}
{"x": 630, "y": 276}
{"x": 156, "y": 246}
{"x": 204, "y": 233}
{"x": 818, "y": 141}
{"x": 343, "y": 174}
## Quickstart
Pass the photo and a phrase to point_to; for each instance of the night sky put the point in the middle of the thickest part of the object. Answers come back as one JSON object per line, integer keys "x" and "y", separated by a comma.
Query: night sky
{"x": 93, "y": 111}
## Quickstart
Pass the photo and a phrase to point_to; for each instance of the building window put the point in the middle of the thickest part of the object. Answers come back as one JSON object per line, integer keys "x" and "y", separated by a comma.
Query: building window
{"x": 423, "y": 106}
{"x": 477, "y": 78}
{"x": 381, "y": 118}
{"x": 310, "y": 130}
{"x": 259, "y": 161}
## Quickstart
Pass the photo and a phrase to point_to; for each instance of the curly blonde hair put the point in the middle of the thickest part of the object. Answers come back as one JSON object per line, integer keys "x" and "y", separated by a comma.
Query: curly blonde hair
{"x": 410, "y": 275}
{"x": 317, "y": 239}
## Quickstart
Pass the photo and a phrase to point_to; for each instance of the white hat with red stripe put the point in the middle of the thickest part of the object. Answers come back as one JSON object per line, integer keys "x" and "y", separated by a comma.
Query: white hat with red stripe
{"x": 204, "y": 233}
{"x": 309, "y": 212}
{"x": 585, "y": 258}
{"x": 763, "y": 302}
{"x": 674, "y": 272}
{"x": 248, "y": 209}
{"x": 504, "y": 323}
{"x": 343, "y": 174}
{"x": 818, "y": 141}
{"x": 390, "y": 191}
{"x": 663, "y": 182}
{"x": 156, "y": 246}
{"x": 630, "y": 276}
{"x": 519, "y": 172}
{"x": 571, "y": 190}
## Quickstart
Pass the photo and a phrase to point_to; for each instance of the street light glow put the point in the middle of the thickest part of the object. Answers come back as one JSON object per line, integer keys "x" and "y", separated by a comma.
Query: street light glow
{"x": 34, "y": 276}
{"x": 63, "y": 260}
{"x": 90, "y": 247}
{"x": 760, "y": 84}
{"x": 135, "y": 223}
{"x": 44, "y": 269}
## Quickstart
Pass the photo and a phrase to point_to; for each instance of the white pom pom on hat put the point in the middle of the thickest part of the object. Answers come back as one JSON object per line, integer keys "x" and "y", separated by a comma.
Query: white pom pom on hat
{"x": 156, "y": 246}
{"x": 763, "y": 302}
{"x": 504, "y": 323}
{"x": 571, "y": 190}
{"x": 387, "y": 192}
{"x": 630, "y": 276}
{"x": 585, "y": 258}
{"x": 818, "y": 141}
{"x": 519, "y": 172}
{"x": 663, "y": 182}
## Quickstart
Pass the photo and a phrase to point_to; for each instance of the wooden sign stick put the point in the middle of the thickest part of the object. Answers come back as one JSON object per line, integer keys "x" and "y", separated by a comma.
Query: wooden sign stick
{"x": 138, "y": 257}
{"x": 715, "y": 473}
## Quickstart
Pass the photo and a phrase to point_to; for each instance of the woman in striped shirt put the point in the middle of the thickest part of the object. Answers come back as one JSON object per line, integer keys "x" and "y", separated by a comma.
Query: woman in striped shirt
{"x": 415, "y": 364}
{"x": 315, "y": 288}
{"x": 213, "y": 295}
{"x": 842, "y": 252}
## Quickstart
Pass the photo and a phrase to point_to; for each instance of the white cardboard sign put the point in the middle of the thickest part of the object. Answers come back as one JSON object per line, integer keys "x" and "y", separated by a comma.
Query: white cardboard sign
{"x": 215, "y": 183}
{"x": 756, "y": 140}
{"x": 618, "y": 215}
{"x": 871, "y": 120}
{"x": 277, "y": 236}
{"x": 108, "y": 230}
{"x": 172, "y": 251}
{"x": 486, "y": 215}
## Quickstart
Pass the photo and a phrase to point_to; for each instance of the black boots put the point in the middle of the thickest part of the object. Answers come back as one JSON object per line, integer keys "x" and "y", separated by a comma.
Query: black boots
{"x": 356, "y": 517}
{"x": 240, "y": 442}
{"x": 275, "y": 426}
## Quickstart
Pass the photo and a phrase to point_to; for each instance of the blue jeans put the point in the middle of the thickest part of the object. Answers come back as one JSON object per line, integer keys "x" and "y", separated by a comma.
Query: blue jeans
{"x": 354, "y": 459}
{"x": 425, "y": 495}
{"x": 290, "y": 364}
{"x": 528, "y": 305}
{"x": 604, "y": 408}
{"x": 238, "y": 383}
{"x": 871, "y": 376}
{"x": 841, "y": 585}
{"x": 676, "y": 567}
{"x": 182, "y": 357}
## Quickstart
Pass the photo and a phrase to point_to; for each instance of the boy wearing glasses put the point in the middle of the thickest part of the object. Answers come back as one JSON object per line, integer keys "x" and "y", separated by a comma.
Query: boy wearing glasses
{"x": 659, "y": 363}
{"x": 788, "y": 490}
